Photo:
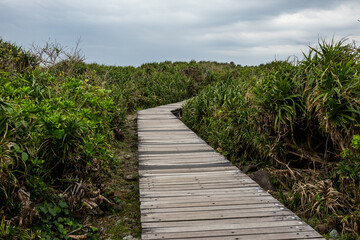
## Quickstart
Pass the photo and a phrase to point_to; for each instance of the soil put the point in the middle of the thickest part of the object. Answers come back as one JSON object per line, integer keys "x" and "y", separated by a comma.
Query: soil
{"x": 122, "y": 188}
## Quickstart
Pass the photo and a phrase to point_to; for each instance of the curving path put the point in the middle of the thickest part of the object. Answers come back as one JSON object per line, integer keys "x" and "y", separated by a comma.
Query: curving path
{"x": 189, "y": 191}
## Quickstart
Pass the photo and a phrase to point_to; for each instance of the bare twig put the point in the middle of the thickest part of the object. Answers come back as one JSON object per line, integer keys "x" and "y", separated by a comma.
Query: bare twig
{"x": 53, "y": 53}
{"x": 79, "y": 229}
{"x": 287, "y": 166}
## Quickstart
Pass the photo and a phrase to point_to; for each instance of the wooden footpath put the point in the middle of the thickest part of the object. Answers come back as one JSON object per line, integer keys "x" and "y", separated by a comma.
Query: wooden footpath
{"x": 189, "y": 191}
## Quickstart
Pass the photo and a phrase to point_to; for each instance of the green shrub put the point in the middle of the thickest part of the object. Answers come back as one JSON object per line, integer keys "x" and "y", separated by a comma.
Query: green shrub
{"x": 15, "y": 59}
{"x": 332, "y": 88}
{"x": 53, "y": 127}
{"x": 293, "y": 115}
{"x": 60, "y": 116}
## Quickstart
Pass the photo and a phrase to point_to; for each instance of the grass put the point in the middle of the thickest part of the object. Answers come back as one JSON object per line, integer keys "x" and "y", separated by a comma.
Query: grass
{"x": 298, "y": 119}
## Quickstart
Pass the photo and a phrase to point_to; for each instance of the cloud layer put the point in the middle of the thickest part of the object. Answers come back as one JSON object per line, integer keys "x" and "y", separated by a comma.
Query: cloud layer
{"x": 124, "y": 32}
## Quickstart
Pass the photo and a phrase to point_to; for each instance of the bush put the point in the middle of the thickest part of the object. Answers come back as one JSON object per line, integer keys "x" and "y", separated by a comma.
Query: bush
{"x": 59, "y": 120}
{"x": 15, "y": 59}
{"x": 303, "y": 115}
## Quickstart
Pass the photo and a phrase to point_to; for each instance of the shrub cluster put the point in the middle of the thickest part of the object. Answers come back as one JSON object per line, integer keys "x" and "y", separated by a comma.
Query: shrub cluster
{"x": 54, "y": 130}
{"x": 154, "y": 84}
{"x": 296, "y": 115}
{"x": 15, "y": 59}
{"x": 59, "y": 118}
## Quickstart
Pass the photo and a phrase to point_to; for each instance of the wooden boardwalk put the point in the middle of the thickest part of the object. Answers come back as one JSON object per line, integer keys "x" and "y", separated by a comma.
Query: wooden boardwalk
{"x": 188, "y": 191}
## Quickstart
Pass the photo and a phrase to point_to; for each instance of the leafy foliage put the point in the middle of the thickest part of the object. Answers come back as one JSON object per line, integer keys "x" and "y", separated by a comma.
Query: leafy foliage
{"x": 15, "y": 59}
{"x": 61, "y": 116}
{"x": 59, "y": 119}
{"x": 58, "y": 222}
{"x": 300, "y": 115}
{"x": 332, "y": 88}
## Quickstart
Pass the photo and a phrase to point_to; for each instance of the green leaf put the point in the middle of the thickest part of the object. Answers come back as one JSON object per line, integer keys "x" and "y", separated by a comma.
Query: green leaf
{"x": 58, "y": 133}
{"x": 16, "y": 147}
{"x": 66, "y": 212}
{"x": 43, "y": 209}
{"x": 24, "y": 156}
{"x": 18, "y": 124}
{"x": 63, "y": 204}
{"x": 52, "y": 211}
{"x": 57, "y": 209}
{"x": 62, "y": 230}
{"x": 69, "y": 223}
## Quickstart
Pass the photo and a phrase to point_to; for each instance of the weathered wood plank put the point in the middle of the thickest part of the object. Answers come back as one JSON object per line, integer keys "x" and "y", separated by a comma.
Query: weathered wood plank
{"x": 206, "y": 202}
{"x": 190, "y": 182}
{"x": 217, "y": 224}
{"x": 232, "y": 205}
{"x": 267, "y": 236}
{"x": 184, "y": 170}
{"x": 215, "y": 214}
{"x": 230, "y": 232}
{"x": 199, "y": 192}
{"x": 151, "y": 187}
{"x": 199, "y": 197}
{"x": 207, "y": 174}
{"x": 225, "y": 225}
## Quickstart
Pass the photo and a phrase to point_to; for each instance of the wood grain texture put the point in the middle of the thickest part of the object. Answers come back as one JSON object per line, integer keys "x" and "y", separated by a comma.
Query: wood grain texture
{"x": 189, "y": 191}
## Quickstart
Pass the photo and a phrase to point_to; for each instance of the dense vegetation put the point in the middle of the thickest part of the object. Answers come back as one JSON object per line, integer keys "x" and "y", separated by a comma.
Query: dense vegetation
{"x": 299, "y": 120}
{"x": 60, "y": 120}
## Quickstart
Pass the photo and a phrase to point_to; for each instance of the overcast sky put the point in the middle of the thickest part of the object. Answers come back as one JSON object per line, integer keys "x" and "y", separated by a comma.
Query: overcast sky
{"x": 133, "y": 32}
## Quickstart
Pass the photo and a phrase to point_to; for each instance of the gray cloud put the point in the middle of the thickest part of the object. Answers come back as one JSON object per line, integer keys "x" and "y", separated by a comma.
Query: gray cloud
{"x": 132, "y": 32}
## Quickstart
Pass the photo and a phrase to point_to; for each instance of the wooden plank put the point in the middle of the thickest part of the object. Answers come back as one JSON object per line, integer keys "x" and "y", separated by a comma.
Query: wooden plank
{"x": 168, "y": 160}
{"x": 207, "y": 174}
{"x": 198, "y": 197}
{"x": 199, "y": 177}
{"x": 161, "y": 181}
{"x": 199, "y": 192}
{"x": 206, "y": 203}
{"x": 215, "y": 214}
{"x": 233, "y": 205}
{"x": 225, "y": 225}
{"x": 230, "y": 232}
{"x": 151, "y": 187}
{"x": 239, "y": 182}
{"x": 185, "y": 170}
{"x": 243, "y": 189}
{"x": 187, "y": 177}
{"x": 217, "y": 224}
{"x": 267, "y": 236}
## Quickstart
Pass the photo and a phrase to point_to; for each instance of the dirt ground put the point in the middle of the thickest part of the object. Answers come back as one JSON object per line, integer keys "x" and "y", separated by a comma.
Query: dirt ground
{"x": 122, "y": 188}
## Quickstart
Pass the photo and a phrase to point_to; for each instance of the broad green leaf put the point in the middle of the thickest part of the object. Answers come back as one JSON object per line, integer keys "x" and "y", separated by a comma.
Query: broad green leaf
{"x": 52, "y": 211}
{"x": 24, "y": 156}
{"x": 63, "y": 204}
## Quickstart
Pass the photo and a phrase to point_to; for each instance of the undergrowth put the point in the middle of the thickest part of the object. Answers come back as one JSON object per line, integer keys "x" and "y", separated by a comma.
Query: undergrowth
{"x": 61, "y": 120}
{"x": 300, "y": 119}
